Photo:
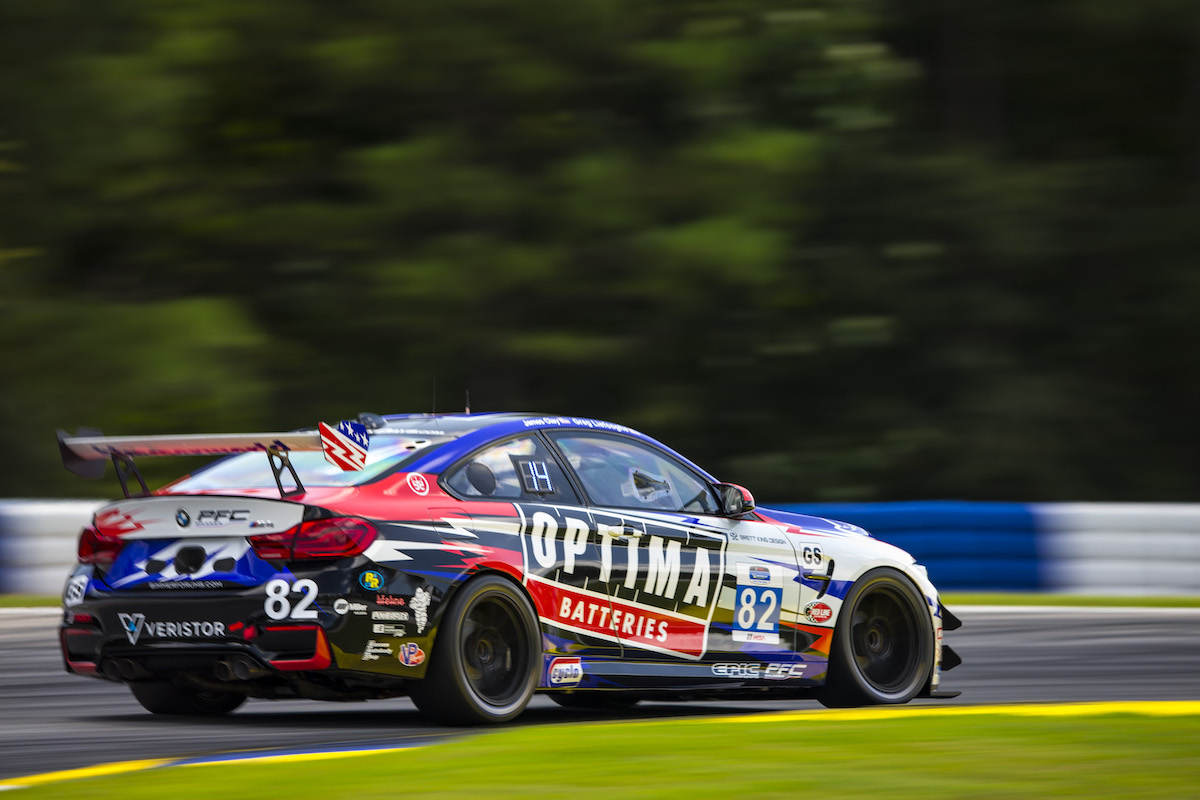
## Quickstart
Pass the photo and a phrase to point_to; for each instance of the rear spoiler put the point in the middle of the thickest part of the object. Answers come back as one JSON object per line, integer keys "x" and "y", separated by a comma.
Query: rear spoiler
{"x": 85, "y": 453}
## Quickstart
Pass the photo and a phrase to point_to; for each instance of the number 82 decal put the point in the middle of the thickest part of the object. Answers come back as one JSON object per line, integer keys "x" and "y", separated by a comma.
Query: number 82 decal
{"x": 279, "y": 605}
{"x": 759, "y": 596}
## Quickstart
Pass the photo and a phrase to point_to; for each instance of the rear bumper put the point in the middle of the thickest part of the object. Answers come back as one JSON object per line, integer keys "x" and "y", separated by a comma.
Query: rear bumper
{"x": 87, "y": 650}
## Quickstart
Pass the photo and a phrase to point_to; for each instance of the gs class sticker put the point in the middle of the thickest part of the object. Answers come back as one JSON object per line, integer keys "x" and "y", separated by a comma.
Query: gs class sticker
{"x": 759, "y": 596}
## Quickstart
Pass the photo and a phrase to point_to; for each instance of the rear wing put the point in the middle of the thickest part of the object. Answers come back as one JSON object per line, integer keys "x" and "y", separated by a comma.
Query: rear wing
{"x": 85, "y": 454}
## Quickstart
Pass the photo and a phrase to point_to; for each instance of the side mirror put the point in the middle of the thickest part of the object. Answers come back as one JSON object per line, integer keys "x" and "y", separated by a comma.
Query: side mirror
{"x": 735, "y": 500}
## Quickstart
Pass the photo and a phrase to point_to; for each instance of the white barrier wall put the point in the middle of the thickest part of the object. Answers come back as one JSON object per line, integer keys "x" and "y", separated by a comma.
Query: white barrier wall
{"x": 37, "y": 542}
{"x": 1120, "y": 548}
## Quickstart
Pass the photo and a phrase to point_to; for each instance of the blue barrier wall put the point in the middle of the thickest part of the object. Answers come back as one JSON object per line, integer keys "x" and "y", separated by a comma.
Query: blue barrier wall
{"x": 965, "y": 546}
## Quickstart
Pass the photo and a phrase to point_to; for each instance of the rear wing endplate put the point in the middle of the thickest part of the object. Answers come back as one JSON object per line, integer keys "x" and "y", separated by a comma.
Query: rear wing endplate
{"x": 85, "y": 453}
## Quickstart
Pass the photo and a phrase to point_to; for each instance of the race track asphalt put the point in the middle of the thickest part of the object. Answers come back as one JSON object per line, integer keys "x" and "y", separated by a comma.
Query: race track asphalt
{"x": 54, "y": 721}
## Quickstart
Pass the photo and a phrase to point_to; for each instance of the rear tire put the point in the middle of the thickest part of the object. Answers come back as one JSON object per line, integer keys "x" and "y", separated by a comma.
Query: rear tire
{"x": 883, "y": 647}
{"x": 486, "y": 659}
{"x": 165, "y": 697}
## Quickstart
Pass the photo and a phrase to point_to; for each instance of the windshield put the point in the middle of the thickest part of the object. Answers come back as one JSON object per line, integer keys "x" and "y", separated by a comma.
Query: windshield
{"x": 253, "y": 471}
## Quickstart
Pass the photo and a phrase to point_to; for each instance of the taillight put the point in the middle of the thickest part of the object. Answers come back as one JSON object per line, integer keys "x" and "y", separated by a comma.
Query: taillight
{"x": 320, "y": 538}
{"x": 96, "y": 548}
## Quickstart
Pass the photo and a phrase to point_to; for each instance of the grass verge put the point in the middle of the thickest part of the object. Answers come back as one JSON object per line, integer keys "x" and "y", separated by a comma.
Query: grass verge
{"x": 29, "y": 601}
{"x": 933, "y": 754}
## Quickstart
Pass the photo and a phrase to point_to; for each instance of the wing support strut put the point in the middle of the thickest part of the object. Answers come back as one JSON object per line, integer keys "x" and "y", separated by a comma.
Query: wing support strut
{"x": 125, "y": 470}
{"x": 280, "y": 461}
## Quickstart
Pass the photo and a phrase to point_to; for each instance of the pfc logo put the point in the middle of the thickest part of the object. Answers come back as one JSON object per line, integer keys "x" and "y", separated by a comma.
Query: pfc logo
{"x": 565, "y": 672}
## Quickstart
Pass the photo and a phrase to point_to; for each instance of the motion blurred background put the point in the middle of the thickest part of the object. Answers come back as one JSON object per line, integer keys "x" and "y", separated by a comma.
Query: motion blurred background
{"x": 834, "y": 250}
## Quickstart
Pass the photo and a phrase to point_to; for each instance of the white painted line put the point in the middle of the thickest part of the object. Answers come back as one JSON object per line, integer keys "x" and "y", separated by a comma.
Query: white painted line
{"x": 1048, "y": 609}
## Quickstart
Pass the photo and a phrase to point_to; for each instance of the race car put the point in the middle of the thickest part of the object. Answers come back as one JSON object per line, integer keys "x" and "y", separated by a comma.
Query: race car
{"x": 470, "y": 560}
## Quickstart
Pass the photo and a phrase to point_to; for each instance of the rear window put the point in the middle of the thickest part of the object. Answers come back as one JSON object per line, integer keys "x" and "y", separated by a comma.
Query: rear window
{"x": 253, "y": 471}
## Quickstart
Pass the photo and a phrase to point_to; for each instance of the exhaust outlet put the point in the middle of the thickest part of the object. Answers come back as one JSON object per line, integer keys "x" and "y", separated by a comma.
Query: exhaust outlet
{"x": 130, "y": 669}
{"x": 223, "y": 670}
{"x": 245, "y": 669}
{"x": 111, "y": 670}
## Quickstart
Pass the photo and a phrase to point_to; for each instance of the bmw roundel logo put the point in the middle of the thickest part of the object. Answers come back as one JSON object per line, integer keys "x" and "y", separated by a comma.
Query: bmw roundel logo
{"x": 182, "y": 519}
{"x": 371, "y": 580}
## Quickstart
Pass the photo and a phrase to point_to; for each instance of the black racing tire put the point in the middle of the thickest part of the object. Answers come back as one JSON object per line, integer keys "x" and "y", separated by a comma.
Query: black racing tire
{"x": 486, "y": 659}
{"x": 165, "y": 697}
{"x": 883, "y": 647}
{"x": 599, "y": 701}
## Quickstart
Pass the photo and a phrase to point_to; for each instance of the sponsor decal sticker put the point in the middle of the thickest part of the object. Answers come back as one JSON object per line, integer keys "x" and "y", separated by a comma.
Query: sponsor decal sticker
{"x": 390, "y": 616}
{"x": 185, "y": 584}
{"x": 818, "y": 612}
{"x": 774, "y": 671}
{"x": 759, "y": 574}
{"x": 410, "y": 654}
{"x": 384, "y": 629}
{"x": 565, "y": 672}
{"x": 370, "y": 580}
{"x": 420, "y": 606}
{"x": 132, "y": 625}
{"x": 262, "y": 523}
{"x": 389, "y": 600}
{"x": 341, "y": 606}
{"x": 376, "y": 649}
{"x": 219, "y": 517}
{"x": 418, "y": 483}
{"x": 662, "y": 590}
{"x": 75, "y": 589}
{"x": 135, "y": 625}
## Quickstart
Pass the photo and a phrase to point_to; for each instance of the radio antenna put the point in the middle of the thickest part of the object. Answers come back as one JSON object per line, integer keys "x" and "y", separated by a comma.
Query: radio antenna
{"x": 468, "y": 404}
{"x": 433, "y": 402}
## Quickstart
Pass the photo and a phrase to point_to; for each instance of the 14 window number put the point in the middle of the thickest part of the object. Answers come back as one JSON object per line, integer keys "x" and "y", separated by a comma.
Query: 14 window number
{"x": 278, "y": 604}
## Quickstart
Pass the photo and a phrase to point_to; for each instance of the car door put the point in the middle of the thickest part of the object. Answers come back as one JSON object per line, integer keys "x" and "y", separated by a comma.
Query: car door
{"x": 662, "y": 547}
{"x": 561, "y": 556}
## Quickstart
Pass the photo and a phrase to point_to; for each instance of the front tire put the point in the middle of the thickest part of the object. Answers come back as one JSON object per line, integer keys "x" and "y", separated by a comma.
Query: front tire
{"x": 883, "y": 647}
{"x": 484, "y": 665}
{"x": 165, "y": 697}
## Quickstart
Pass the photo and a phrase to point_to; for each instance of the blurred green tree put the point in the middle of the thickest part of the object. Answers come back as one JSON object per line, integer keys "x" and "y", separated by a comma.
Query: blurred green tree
{"x": 842, "y": 249}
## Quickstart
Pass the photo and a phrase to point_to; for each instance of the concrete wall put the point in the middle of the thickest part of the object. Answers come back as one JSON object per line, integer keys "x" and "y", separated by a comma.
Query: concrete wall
{"x": 37, "y": 542}
{"x": 1082, "y": 548}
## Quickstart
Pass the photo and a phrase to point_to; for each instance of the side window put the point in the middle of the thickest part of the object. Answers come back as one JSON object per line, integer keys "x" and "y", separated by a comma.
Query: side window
{"x": 626, "y": 474}
{"x": 519, "y": 469}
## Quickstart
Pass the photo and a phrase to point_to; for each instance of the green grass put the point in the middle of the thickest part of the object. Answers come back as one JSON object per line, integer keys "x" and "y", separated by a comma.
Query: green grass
{"x": 29, "y": 601}
{"x": 930, "y": 755}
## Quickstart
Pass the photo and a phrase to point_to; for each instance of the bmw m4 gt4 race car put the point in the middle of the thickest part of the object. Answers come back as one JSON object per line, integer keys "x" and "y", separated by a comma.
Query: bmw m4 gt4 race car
{"x": 471, "y": 560}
